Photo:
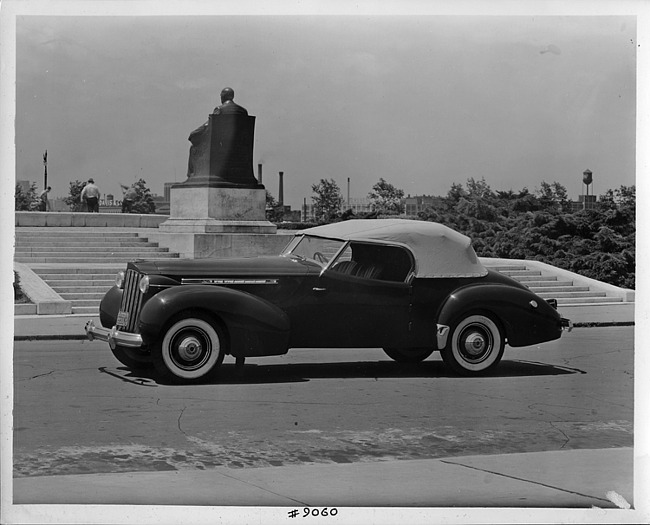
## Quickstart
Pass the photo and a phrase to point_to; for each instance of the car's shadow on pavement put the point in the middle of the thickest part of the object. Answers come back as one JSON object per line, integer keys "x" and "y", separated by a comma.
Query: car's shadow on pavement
{"x": 298, "y": 372}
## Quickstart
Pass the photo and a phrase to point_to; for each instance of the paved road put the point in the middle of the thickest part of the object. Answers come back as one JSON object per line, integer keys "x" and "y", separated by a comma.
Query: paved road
{"x": 77, "y": 410}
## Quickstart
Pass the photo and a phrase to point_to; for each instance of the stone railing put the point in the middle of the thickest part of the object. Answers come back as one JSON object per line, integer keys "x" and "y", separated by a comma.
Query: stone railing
{"x": 81, "y": 219}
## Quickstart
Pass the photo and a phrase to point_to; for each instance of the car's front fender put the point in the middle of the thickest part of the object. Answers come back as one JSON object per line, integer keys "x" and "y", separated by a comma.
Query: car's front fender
{"x": 110, "y": 306}
{"x": 525, "y": 317}
{"x": 255, "y": 326}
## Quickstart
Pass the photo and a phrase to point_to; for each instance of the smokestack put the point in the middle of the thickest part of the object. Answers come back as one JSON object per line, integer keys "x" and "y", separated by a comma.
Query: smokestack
{"x": 281, "y": 190}
{"x": 348, "y": 192}
{"x": 259, "y": 173}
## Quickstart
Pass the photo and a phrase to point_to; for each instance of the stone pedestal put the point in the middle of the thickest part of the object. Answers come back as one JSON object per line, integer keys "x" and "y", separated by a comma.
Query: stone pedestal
{"x": 217, "y": 210}
{"x": 220, "y": 210}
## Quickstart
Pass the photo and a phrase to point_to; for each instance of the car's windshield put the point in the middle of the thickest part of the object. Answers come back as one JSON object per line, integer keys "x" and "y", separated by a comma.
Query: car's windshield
{"x": 314, "y": 248}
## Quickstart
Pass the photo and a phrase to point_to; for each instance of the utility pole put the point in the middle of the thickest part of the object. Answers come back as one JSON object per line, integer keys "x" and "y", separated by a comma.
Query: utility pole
{"x": 45, "y": 164}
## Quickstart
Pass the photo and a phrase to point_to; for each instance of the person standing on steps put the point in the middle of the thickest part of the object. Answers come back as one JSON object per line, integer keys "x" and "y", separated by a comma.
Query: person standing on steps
{"x": 90, "y": 194}
{"x": 44, "y": 205}
{"x": 130, "y": 195}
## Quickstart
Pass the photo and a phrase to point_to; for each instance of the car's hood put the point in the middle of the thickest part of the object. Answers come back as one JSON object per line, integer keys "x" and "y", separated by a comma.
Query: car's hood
{"x": 245, "y": 266}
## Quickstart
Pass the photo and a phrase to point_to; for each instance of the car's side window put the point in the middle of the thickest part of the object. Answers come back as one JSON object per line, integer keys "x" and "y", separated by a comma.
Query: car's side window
{"x": 371, "y": 261}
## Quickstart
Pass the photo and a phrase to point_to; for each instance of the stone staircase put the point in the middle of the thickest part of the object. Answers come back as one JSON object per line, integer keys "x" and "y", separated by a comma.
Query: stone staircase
{"x": 80, "y": 265}
{"x": 550, "y": 287}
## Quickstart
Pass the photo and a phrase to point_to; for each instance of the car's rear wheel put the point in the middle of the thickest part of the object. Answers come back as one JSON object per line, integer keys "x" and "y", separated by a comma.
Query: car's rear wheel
{"x": 408, "y": 355}
{"x": 132, "y": 357}
{"x": 191, "y": 349}
{"x": 475, "y": 346}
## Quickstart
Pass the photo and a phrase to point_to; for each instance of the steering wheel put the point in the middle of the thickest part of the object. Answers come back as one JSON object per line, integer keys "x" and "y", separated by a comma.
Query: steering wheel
{"x": 318, "y": 256}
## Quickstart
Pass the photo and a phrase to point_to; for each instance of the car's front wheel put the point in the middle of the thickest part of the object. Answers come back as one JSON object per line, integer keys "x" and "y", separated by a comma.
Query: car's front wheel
{"x": 408, "y": 355}
{"x": 475, "y": 345}
{"x": 191, "y": 349}
{"x": 132, "y": 357}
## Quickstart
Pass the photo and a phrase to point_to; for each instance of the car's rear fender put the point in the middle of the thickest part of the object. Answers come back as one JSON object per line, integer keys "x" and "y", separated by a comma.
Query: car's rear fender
{"x": 525, "y": 317}
{"x": 255, "y": 327}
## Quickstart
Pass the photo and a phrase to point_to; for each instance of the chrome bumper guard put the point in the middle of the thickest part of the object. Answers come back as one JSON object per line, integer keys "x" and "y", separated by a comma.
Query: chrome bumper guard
{"x": 113, "y": 336}
{"x": 567, "y": 325}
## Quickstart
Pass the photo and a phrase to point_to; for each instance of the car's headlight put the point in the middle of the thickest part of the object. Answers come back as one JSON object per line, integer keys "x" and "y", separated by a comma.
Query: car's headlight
{"x": 144, "y": 284}
{"x": 119, "y": 280}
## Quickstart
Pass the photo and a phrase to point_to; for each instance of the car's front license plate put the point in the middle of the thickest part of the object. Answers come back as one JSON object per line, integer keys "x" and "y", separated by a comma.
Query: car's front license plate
{"x": 123, "y": 318}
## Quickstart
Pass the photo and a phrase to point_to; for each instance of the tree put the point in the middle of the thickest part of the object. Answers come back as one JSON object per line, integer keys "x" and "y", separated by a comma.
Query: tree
{"x": 327, "y": 201}
{"x": 553, "y": 196}
{"x": 143, "y": 202}
{"x": 597, "y": 243}
{"x": 73, "y": 199}
{"x": 274, "y": 212}
{"x": 386, "y": 199}
{"x": 26, "y": 200}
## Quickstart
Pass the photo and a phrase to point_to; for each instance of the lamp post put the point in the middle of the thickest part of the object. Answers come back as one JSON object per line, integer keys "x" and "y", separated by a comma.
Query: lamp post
{"x": 45, "y": 165}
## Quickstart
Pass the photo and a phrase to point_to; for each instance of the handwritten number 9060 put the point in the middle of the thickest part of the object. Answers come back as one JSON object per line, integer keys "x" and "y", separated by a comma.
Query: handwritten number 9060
{"x": 319, "y": 512}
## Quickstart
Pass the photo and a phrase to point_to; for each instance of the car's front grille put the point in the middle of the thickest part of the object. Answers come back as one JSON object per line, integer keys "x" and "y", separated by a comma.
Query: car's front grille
{"x": 131, "y": 302}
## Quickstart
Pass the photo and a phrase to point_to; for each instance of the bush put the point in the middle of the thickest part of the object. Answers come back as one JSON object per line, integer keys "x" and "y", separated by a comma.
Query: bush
{"x": 19, "y": 295}
{"x": 26, "y": 200}
{"x": 597, "y": 243}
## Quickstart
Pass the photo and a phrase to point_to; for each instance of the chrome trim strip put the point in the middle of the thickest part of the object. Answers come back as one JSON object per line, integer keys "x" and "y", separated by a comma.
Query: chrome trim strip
{"x": 442, "y": 333}
{"x": 113, "y": 336}
{"x": 208, "y": 280}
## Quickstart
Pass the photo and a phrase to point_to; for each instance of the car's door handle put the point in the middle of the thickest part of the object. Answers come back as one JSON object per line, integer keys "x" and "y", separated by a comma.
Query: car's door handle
{"x": 319, "y": 290}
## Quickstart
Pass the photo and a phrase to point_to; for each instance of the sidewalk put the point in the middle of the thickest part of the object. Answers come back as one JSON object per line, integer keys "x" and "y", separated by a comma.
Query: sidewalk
{"x": 564, "y": 479}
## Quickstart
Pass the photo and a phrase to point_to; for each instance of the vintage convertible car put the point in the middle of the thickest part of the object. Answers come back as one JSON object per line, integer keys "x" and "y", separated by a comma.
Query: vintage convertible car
{"x": 409, "y": 287}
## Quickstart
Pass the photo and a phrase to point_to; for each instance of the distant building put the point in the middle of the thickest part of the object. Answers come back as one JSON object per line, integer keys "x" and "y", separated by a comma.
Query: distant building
{"x": 162, "y": 204}
{"x": 357, "y": 205}
{"x": 417, "y": 203}
{"x": 167, "y": 186}
{"x": 585, "y": 202}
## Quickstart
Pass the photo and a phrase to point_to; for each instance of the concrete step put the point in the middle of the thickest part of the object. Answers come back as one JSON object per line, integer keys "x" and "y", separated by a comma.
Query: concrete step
{"x": 65, "y": 278}
{"x": 136, "y": 243}
{"x": 90, "y": 310}
{"x": 91, "y": 302}
{"x": 550, "y": 287}
{"x": 564, "y": 295}
{"x": 549, "y": 284}
{"x": 81, "y": 289}
{"x": 73, "y": 271}
{"x": 81, "y": 265}
{"x": 520, "y": 273}
{"x": 74, "y": 232}
{"x": 535, "y": 278}
{"x": 72, "y": 283}
{"x": 588, "y": 300}
{"x": 558, "y": 289}
{"x": 81, "y": 299}
{"x": 74, "y": 259}
{"x": 43, "y": 251}
{"x": 507, "y": 268}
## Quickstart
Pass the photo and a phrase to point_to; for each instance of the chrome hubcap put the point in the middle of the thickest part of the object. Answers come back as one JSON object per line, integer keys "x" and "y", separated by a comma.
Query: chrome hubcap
{"x": 189, "y": 348}
{"x": 475, "y": 344}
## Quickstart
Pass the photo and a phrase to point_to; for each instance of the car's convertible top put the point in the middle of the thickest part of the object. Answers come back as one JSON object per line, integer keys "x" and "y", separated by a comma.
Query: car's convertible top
{"x": 439, "y": 251}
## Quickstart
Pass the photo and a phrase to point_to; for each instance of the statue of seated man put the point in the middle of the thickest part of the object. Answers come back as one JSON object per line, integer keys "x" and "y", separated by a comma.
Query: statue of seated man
{"x": 228, "y": 106}
{"x": 200, "y": 138}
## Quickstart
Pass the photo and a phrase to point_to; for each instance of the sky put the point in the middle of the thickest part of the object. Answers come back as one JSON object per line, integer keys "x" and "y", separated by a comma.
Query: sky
{"x": 422, "y": 94}
{"x": 420, "y": 100}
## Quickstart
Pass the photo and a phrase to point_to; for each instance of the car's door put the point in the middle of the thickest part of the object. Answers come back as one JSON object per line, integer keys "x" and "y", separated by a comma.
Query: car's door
{"x": 362, "y": 299}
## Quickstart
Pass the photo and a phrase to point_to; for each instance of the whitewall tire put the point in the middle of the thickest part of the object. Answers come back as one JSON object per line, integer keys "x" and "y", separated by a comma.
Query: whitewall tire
{"x": 191, "y": 350}
{"x": 475, "y": 346}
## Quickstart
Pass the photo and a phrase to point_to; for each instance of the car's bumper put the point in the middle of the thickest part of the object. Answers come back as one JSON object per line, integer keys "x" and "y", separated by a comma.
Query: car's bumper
{"x": 113, "y": 336}
{"x": 566, "y": 324}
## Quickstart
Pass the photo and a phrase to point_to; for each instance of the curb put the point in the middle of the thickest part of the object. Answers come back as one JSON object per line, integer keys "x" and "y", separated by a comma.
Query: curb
{"x": 579, "y": 478}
